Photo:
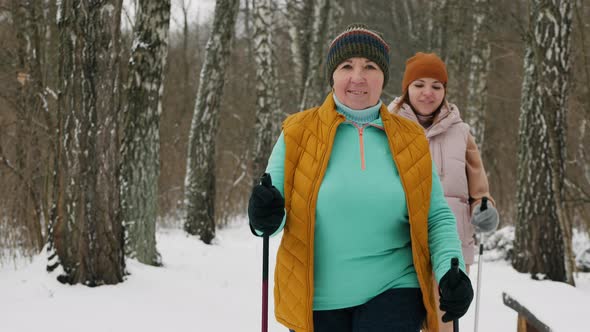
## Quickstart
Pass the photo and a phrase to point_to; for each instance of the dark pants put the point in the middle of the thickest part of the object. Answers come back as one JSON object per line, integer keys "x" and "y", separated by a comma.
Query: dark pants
{"x": 395, "y": 310}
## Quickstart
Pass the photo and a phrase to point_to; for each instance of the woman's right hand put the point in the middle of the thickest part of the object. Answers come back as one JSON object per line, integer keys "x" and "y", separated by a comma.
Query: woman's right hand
{"x": 266, "y": 208}
{"x": 456, "y": 293}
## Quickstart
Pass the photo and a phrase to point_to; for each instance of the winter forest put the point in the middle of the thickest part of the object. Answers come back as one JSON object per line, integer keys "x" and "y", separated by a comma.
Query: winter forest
{"x": 119, "y": 119}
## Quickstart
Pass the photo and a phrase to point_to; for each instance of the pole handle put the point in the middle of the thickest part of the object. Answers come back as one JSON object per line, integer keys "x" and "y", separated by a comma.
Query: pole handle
{"x": 265, "y": 180}
{"x": 453, "y": 281}
{"x": 484, "y": 204}
{"x": 454, "y": 276}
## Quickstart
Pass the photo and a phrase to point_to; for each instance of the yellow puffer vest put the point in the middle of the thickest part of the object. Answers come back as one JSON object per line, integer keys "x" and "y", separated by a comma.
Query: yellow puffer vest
{"x": 309, "y": 136}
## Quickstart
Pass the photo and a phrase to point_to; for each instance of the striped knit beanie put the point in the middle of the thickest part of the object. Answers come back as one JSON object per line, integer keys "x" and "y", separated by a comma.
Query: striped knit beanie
{"x": 424, "y": 65}
{"x": 358, "y": 40}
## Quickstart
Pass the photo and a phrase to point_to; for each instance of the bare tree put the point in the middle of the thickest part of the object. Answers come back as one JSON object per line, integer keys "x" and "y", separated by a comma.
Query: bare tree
{"x": 26, "y": 122}
{"x": 140, "y": 150}
{"x": 437, "y": 26}
{"x": 85, "y": 237}
{"x": 477, "y": 84}
{"x": 579, "y": 195}
{"x": 249, "y": 7}
{"x": 335, "y": 18}
{"x": 315, "y": 87}
{"x": 31, "y": 107}
{"x": 266, "y": 102}
{"x": 543, "y": 233}
{"x": 455, "y": 47}
{"x": 299, "y": 16}
{"x": 200, "y": 173}
{"x": 178, "y": 101}
{"x": 186, "y": 57}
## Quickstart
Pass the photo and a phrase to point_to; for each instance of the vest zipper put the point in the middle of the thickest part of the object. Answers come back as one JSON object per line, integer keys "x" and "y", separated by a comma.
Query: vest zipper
{"x": 361, "y": 143}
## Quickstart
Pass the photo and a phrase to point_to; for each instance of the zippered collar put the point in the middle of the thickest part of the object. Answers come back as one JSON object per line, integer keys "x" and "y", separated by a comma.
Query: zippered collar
{"x": 446, "y": 117}
{"x": 360, "y": 117}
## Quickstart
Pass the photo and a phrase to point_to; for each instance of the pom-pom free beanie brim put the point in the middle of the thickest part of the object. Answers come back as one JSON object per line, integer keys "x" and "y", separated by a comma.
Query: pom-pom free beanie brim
{"x": 357, "y": 40}
{"x": 423, "y": 65}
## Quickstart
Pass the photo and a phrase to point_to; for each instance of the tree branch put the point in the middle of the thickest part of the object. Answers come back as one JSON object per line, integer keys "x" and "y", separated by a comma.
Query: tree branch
{"x": 4, "y": 161}
{"x": 579, "y": 191}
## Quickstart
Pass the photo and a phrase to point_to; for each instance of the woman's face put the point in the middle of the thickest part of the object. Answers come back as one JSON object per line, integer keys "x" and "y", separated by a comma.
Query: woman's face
{"x": 358, "y": 83}
{"x": 426, "y": 95}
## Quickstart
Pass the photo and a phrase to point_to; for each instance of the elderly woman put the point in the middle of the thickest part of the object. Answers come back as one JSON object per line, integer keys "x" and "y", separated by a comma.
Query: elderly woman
{"x": 364, "y": 219}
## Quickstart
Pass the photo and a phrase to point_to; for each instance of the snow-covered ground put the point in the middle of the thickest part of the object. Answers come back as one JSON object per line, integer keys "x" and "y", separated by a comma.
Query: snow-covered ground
{"x": 216, "y": 288}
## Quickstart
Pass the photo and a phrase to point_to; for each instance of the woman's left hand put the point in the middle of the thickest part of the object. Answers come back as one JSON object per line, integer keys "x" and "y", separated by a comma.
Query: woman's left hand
{"x": 486, "y": 220}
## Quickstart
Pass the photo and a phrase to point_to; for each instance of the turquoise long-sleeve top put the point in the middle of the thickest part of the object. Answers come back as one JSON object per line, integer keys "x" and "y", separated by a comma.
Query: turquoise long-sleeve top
{"x": 362, "y": 233}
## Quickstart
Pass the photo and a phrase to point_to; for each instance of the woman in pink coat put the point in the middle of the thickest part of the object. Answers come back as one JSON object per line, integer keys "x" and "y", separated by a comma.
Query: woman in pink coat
{"x": 452, "y": 147}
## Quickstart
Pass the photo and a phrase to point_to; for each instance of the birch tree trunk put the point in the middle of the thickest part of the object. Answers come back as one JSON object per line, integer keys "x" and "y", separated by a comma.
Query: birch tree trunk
{"x": 200, "y": 172}
{"x": 279, "y": 113}
{"x": 86, "y": 239}
{"x": 299, "y": 17}
{"x": 477, "y": 84}
{"x": 265, "y": 86}
{"x": 543, "y": 233}
{"x": 335, "y": 16}
{"x": 140, "y": 152}
{"x": 315, "y": 82}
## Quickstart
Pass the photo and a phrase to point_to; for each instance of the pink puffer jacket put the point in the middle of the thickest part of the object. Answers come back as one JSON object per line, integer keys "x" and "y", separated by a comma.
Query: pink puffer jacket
{"x": 459, "y": 167}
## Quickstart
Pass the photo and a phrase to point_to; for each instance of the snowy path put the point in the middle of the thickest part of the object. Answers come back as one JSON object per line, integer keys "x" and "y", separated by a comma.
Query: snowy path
{"x": 201, "y": 288}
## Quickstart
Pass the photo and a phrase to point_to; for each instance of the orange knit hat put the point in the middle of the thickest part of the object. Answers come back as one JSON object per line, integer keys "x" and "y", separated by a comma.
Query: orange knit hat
{"x": 424, "y": 65}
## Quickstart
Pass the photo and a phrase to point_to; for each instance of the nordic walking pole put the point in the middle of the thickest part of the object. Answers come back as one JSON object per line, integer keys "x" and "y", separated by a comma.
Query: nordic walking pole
{"x": 265, "y": 283}
{"x": 453, "y": 282}
{"x": 265, "y": 181}
{"x": 484, "y": 206}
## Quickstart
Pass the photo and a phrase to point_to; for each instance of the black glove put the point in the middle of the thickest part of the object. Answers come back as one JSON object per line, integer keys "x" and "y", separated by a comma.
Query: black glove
{"x": 266, "y": 208}
{"x": 456, "y": 293}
